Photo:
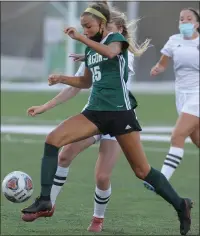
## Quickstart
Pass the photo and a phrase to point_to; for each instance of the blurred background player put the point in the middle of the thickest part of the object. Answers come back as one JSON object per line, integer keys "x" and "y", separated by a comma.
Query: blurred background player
{"x": 183, "y": 49}
{"x": 109, "y": 148}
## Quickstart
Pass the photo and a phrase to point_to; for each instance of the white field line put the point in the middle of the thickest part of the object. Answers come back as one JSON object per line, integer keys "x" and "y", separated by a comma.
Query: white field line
{"x": 138, "y": 87}
{"x": 7, "y": 138}
{"x": 44, "y": 130}
{"x": 8, "y": 121}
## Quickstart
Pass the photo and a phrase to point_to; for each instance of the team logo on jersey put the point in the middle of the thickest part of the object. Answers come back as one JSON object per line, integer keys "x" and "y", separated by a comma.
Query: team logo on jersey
{"x": 12, "y": 183}
{"x": 95, "y": 58}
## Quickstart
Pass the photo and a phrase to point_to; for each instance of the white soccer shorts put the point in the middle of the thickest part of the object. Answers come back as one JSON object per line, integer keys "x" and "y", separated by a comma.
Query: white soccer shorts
{"x": 187, "y": 103}
{"x": 105, "y": 137}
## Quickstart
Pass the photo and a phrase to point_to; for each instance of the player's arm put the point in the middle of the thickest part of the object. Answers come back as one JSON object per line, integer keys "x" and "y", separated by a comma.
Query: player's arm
{"x": 84, "y": 81}
{"x": 167, "y": 54}
{"x": 77, "y": 57}
{"x": 65, "y": 95}
{"x": 110, "y": 51}
{"x": 161, "y": 66}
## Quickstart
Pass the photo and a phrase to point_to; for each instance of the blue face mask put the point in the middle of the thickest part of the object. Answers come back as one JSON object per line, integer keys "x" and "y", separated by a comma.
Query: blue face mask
{"x": 187, "y": 29}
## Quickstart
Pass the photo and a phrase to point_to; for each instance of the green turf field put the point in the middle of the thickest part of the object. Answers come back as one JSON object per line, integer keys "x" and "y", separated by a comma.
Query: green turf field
{"x": 132, "y": 210}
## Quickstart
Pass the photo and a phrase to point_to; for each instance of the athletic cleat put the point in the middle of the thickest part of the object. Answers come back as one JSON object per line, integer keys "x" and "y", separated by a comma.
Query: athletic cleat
{"x": 51, "y": 212}
{"x": 96, "y": 225}
{"x": 184, "y": 216}
{"x": 40, "y": 208}
{"x": 148, "y": 186}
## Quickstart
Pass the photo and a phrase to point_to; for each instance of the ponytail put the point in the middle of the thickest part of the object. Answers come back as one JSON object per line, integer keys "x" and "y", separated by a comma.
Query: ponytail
{"x": 134, "y": 47}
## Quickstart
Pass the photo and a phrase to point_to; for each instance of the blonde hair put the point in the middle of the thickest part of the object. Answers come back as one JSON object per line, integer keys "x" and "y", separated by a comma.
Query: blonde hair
{"x": 120, "y": 20}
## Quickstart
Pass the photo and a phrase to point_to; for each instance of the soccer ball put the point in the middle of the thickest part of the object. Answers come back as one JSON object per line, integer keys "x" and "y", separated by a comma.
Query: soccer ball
{"x": 17, "y": 187}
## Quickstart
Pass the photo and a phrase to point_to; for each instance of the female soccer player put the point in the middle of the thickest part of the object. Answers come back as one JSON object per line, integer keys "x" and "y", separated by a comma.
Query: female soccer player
{"x": 109, "y": 148}
{"x": 183, "y": 49}
{"x": 108, "y": 112}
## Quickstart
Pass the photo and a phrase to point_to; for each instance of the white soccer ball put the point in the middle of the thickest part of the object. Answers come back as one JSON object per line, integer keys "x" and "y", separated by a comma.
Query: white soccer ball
{"x": 17, "y": 187}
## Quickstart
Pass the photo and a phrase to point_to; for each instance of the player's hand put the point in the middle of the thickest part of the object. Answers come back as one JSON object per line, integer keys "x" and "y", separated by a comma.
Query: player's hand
{"x": 72, "y": 32}
{"x": 35, "y": 110}
{"x": 54, "y": 79}
{"x": 77, "y": 57}
{"x": 157, "y": 69}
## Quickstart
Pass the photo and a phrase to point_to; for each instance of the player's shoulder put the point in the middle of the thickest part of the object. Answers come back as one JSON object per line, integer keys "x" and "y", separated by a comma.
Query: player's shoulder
{"x": 175, "y": 38}
{"x": 87, "y": 50}
{"x": 115, "y": 36}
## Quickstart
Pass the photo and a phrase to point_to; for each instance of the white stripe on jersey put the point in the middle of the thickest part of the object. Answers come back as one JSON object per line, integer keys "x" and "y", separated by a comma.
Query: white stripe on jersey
{"x": 124, "y": 88}
{"x": 81, "y": 70}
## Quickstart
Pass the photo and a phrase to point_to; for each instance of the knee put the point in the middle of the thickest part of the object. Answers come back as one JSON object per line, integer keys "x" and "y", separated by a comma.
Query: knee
{"x": 67, "y": 154}
{"x": 63, "y": 160}
{"x": 52, "y": 139}
{"x": 141, "y": 173}
{"x": 102, "y": 179}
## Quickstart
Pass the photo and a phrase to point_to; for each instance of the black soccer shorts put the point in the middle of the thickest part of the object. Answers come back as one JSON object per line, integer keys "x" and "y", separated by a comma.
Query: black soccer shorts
{"x": 113, "y": 123}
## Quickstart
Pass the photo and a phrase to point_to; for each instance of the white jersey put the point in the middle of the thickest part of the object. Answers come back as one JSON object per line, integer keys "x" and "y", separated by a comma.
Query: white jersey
{"x": 81, "y": 69}
{"x": 185, "y": 55}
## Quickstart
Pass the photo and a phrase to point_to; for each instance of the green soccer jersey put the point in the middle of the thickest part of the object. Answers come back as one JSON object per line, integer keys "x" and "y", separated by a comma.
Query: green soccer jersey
{"x": 109, "y": 77}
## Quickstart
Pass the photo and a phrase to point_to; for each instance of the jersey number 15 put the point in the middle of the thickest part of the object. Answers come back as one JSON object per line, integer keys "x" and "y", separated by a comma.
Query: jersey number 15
{"x": 96, "y": 73}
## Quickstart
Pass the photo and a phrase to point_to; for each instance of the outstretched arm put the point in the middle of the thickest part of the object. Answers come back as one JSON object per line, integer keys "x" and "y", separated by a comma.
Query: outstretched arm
{"x": 161, "y": 66}
{"x": 84, "y": 81}
{"x": 110, "y": 51}
{"x": 65, "y": 95}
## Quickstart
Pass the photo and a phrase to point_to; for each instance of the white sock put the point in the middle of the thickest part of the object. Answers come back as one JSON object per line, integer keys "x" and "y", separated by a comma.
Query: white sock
{"x": 172, "y": 161}
{"x": 58, "y": 182}
{"x": 101, "y": 199}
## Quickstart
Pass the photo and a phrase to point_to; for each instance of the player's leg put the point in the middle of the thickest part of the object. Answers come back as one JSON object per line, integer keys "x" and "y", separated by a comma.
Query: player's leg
{"x": 126, "y": 131}
{"x": 71, "y": 130}
{"x": 108, "y": 155}
{"x": 188, "y": 121}
{"x": 132, "y": 148}
{"x": 65, "y": 157}
{"x": 195, "y": 136}
{"x": 185, "y": 127}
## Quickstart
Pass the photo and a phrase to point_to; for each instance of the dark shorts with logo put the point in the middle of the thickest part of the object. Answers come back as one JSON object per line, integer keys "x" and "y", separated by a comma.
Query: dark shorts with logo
{"x": 113, "y": 122}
